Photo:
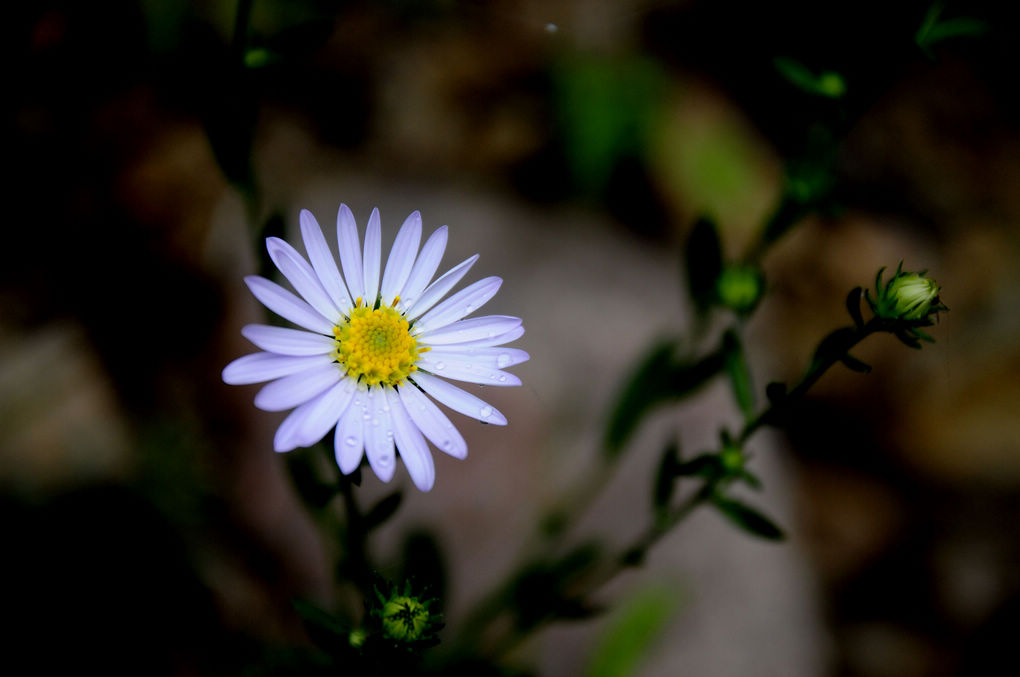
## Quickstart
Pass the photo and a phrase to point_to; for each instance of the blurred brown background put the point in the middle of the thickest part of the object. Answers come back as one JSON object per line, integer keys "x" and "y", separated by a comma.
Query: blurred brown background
{"x": 572, "y": 144}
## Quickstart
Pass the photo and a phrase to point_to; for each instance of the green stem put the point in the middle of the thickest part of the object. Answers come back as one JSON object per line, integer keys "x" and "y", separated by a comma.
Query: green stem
{"x": 815, "y": 371}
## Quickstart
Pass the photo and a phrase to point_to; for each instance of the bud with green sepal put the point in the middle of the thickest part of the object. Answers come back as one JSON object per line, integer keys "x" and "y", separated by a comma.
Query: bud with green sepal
{"x": 906, "y": 302}
{"x": 740, "y": 287}
{"x": 407, "y": 618}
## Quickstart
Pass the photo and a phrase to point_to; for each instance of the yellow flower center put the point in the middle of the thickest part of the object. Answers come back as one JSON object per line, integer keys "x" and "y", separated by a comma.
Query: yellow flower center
{"x": 375, "y": 345}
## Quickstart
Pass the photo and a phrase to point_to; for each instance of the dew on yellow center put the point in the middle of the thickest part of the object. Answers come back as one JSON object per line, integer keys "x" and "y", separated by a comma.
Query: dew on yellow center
{"x": 375, "y": 346}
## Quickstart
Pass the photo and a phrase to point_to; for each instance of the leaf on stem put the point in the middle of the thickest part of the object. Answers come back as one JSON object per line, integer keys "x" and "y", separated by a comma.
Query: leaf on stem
{"x": 703, "y": 257}
{"x": 853, "y": 306}
{"x": 661, "y": 377}
{"x": 665, "y": 476}
{"x": 747, "y": 518}
{"x": 739, "y": 373}
{"x": 854, "y": 364}
{"x": 634, "y": 629}
{"x": 383, "y": 510}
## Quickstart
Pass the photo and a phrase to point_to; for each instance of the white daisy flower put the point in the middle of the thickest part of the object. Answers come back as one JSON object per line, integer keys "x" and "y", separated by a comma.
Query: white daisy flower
{"x": 368, "y": 354}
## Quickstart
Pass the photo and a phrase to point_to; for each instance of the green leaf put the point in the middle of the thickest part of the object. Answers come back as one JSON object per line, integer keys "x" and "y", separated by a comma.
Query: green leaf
{"x": 424, "y": 565}
{"x": 854, "y": 364}
{"x": 827, "y": 84}
{"x": 932, "y": 30}
{"x": 747, "y": 518}
{"x": 636, "y": 626}
{"x": 318, "y": 618}
{"x": 660, "y": 378}
{"x": 665, "y": 478}
{"x": 383, "y": 510}
{"x": 833, "y": 347}
{"x": 739, "y": 373}
{"x": 853, "y": 306}
{"x": 708, "y": 466}
{"x": 703, "y": 258}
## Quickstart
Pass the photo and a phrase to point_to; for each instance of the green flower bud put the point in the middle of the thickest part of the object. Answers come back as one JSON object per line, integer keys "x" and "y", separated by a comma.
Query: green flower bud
{"x": 739, "y": 288}
{"x": 357, "y": 637}
{"x": 906, "y": 296}
{"x": 405, "y": 618}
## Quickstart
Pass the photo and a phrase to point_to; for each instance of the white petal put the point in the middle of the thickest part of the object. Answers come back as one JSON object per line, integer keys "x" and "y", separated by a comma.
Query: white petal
{"x": 425, "y": 267}
{"x": 286, "y": 305}
{"x": 493, "y": 358}
{"x": 372, "y": 261}
{"x": 379, "y": 434}
{"x": 324, "y": 411}
{"x": 497, "y": 340}
{"x": 259, "y": 367}
{"x": 322, "y": 261}
{"x": 300, "y": 274}
{"x": 288, "y": 341}
{"x": 438, "y": 289}
{"x": 432, "y": 422}
{"x": 350, "y": 251}
{"x": 474, "y": 329}
{"x": 465, "y": 301}
{"x": 286, "y": 437}
{"x": 290, "y": 391}
{"x": 398, "y": 265}
{"x": 466, "y": 370}
{"x": 349, "y": 441}
{"x": 413, "y": 449}
{"x": 458, "y": 400}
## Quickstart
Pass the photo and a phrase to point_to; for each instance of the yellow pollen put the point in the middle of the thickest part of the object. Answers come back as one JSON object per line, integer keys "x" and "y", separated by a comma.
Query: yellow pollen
{"x": 376, "y": 346}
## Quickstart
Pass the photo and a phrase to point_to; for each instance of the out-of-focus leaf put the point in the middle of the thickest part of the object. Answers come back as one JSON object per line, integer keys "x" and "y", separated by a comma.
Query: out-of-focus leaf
{"x": 635, "y": 628}
{"x": 325, "y": 629}
{"x": 661, "y": 377}
{"x": 932, "y": 30}
{"x": 703, "y": 258}
{"x": 543, "y": 589}
{"x": 423, "y": 564}
{"x": 383, "y": 510}
{"x": 747, "y": 518}
{"x": 739, "y": 373}
{"x": 708, "y": 466}
{"x": 309, "y": 487}
{"x": 853, "y": 306}
{"x": 607, "y": 108}
{"x": 665, "y": 478}
{"x": 827, "y": 84}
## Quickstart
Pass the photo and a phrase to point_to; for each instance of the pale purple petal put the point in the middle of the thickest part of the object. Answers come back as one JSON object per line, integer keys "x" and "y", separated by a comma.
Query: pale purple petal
{"x": 425, "y": 267}
{"x": 498, "y": 358}
{"x": 286, "y": 305}
{"x": 349, "y": 441}
{"x": 474, "y": 329}
{"x": 302, "y": 277}
{"x": 432, "y": 422}
{"x": 497, "y": 340}
{"x": 401, "y": 260}
{"x": 322, "y": 261}
{"x": 465, "y": 301}
{"x": 379, "y": 434}
{"x": 413, "y": 449}
{"x": 288, "y": 341}
{"x": 350, "y": 251}
{"x": 440, "y": 287}
{"x": 259, "y": 367}
{"x": 324, "y": 411}
{"x": 372, "y": 260}
{"x": 458, "y": 400}
{"x": 291, "y": 391}
{"x": 466, "y": 370}
{"x": 286, "y": 438}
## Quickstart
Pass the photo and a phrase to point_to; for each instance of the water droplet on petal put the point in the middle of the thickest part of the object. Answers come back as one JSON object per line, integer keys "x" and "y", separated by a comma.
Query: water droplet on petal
{"x": 351, "y": 441}
{"x": 486, "y": 412}
{"x": 503, "y": 360}
{"x": 447, "y": 445}
{"x": 366, "y": 416}
{"x": 440, "y": 366}
{"x": 502, "y": 379}
{"x": 385, "y": 460}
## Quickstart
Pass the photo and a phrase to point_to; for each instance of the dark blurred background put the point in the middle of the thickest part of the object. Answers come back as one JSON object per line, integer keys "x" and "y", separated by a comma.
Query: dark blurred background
{"x": 148, "y": 526}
